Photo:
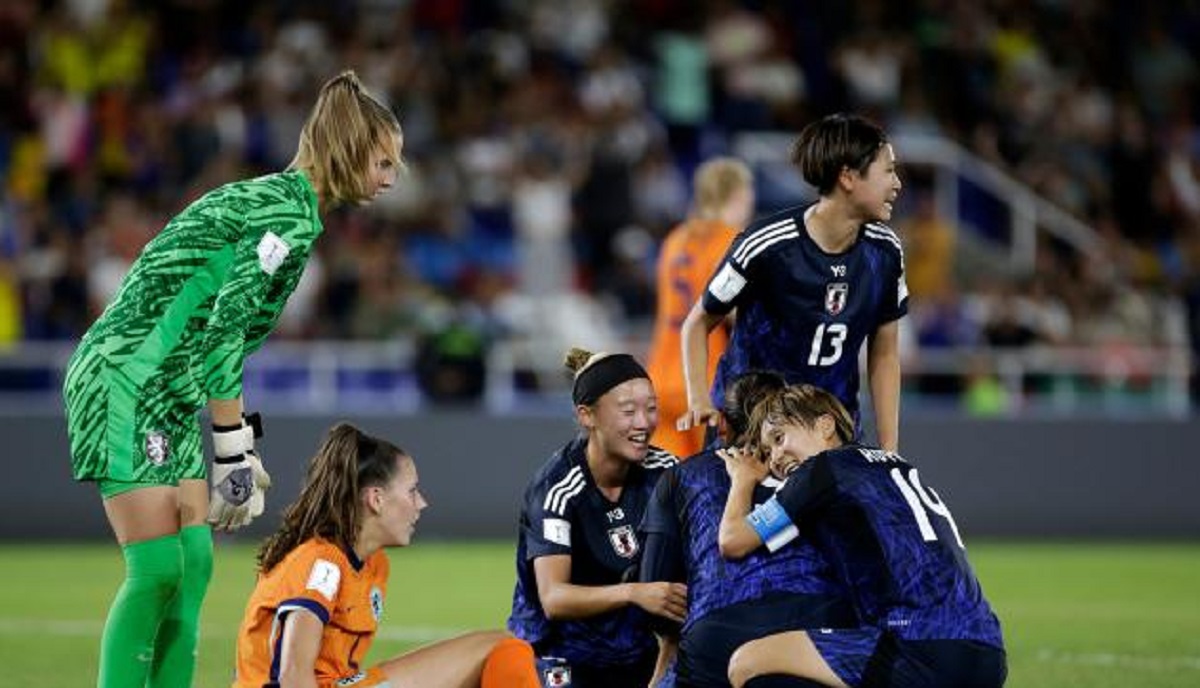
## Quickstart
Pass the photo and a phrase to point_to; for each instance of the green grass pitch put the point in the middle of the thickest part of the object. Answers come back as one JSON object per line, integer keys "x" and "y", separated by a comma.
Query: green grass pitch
{"x": 1075, "y": 615}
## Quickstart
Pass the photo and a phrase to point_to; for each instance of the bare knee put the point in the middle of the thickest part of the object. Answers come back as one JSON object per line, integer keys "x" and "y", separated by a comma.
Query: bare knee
{"x": 741, "y": 667}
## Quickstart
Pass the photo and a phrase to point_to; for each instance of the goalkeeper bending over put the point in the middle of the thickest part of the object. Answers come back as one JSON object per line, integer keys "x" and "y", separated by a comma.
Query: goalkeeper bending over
{"x": 204, "y": 293}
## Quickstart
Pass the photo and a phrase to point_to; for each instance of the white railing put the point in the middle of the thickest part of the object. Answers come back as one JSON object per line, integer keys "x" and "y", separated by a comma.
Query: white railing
{"x": 379, "y": 378}
{"x": 1114, "y": 381}
{"x": 1028, "y": 212}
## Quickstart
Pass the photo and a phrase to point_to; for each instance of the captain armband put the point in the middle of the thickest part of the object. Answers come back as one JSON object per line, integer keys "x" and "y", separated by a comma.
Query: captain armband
{"x": 772, "y": 524}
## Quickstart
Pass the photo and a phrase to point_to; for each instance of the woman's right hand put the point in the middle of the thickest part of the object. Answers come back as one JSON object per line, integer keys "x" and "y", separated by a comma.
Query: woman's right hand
{"x": 698, "y": 415}
{"x": 668, "y": 600}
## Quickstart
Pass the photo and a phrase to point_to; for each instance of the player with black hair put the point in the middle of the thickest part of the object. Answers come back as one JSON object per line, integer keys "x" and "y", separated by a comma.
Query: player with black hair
{"x": 730, "y": 603}
{"x": 578, "y": 536}
{"x": 892, "y": 541}
{"x": 811, "y": 283}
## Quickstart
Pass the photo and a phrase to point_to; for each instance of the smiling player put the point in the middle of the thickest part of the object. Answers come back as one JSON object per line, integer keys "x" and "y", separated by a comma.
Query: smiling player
{"x": 812, "y": 283}
{"x": 578, "y": 536}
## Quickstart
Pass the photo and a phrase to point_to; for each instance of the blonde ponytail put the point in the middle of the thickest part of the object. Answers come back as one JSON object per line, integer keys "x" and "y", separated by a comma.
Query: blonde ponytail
{"x": 346, "y": 126}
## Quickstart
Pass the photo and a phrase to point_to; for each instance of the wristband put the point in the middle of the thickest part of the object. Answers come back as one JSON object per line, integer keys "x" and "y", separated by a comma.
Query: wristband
{"x": 231, "y": 442}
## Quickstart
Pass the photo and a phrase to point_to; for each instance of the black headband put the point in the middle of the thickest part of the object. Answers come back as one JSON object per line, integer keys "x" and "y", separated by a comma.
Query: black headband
{"x": 594, "y": 381}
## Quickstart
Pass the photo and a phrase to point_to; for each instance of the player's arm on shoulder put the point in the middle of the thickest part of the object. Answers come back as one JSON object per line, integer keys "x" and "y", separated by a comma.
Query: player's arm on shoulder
{"x": 300, "y": 645}
{"x": 809, "y": 490}
{"x": 735, "y": 537}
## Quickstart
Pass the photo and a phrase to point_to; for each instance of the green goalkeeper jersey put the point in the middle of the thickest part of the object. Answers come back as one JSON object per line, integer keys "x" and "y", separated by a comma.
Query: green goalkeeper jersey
{"x": 208, "y": 290}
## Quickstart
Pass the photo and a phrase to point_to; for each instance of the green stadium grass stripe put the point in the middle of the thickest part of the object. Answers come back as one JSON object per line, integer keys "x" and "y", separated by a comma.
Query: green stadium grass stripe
{"x": 92, "y": 628}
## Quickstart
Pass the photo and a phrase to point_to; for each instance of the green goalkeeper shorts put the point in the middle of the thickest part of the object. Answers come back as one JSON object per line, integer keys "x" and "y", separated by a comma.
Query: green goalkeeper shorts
{"x": 125, "y": 436}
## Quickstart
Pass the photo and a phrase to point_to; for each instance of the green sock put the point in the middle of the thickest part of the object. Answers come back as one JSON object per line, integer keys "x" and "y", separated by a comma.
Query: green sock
{"x": 152, "y": 572}
{"x": 175, "y": 648}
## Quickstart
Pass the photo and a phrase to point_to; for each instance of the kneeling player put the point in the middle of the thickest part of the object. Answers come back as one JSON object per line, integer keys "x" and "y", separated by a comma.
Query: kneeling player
{"x": 323, "y": 579}
{"x": 891, "y": 538}
{"x": 730, "y": 603}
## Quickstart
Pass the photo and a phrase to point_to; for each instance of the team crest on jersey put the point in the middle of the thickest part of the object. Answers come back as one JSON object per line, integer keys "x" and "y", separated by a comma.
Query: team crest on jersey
{"x": 376, "y": 602}
{"x": 623, "y": 540}
{"x": 557, "y": 676}
{"x": 835, "y": 297}
{"x": 158, "y": 447}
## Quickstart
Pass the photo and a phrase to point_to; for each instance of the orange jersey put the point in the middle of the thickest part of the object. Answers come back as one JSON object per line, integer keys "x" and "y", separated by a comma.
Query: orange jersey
{"x": 689, "y": 256}
{"x": 318, "y": 577}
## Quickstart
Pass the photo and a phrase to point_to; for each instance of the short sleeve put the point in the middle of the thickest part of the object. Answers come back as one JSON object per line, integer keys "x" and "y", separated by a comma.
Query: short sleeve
{"x": 894, "y": 304}
{"x": 313, "y": 581}
{"x": 726, "y": 285}
{"x": 895, "y": 301}
{"x": 550, "y": 512}
{"x": 734, "y": 276}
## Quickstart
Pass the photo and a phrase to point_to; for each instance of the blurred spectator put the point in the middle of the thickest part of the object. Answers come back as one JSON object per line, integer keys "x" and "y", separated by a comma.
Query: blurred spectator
{"x": 548, "y": 139}
{"x": 929, "y": 249}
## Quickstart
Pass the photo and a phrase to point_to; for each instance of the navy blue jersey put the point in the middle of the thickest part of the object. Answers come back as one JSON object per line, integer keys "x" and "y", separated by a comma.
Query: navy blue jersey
{"x": 565, "y": 513}
{"x": 891, "y": 538}
{"x": 687, "y": 508}
{"x": 801, "y": 312}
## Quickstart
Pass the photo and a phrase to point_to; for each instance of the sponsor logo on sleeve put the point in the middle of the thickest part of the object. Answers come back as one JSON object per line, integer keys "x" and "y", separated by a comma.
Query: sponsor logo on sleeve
{"x": 324, "y": 577}
{"x": 727, "y": 284}
{"x": 272, "y": 251}
{"x": 557, "y": 530}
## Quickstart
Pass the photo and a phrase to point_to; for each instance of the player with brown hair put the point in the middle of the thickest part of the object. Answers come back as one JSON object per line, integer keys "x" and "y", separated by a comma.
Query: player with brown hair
{"x": 323, "y": 582}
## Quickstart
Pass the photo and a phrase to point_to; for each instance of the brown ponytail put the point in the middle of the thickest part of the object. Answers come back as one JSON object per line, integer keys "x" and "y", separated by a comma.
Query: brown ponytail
{"x": 328, "y": 506}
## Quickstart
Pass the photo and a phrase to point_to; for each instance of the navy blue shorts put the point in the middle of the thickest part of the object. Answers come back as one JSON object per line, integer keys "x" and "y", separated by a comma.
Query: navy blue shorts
{"x": 870, "y": 658}
{"x": 704, "y": 651}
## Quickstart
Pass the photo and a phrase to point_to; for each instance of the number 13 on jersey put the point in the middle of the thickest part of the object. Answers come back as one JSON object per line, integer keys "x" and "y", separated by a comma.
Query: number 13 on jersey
{"x": 828, "y": 337}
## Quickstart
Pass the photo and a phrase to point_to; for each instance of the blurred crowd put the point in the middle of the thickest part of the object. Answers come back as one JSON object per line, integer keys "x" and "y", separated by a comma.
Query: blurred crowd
{"x": 549, "y": 146}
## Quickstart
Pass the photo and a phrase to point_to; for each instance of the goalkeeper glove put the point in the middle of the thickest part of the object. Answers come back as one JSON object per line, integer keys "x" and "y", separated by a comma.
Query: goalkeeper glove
{"x": 239, "y": 481}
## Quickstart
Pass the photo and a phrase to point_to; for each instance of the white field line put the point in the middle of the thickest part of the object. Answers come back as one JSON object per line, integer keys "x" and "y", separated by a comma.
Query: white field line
{"x": 93, "y": 628}
{"x": 1119, "y": 660}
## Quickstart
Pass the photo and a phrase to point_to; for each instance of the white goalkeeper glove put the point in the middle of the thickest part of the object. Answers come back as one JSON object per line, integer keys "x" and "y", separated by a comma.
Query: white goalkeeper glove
{"x": 239, "y": 481}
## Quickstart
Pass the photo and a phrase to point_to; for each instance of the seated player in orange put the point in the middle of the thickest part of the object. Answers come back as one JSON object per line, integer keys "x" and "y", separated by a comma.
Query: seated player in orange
{"x": 323, "y": 580}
